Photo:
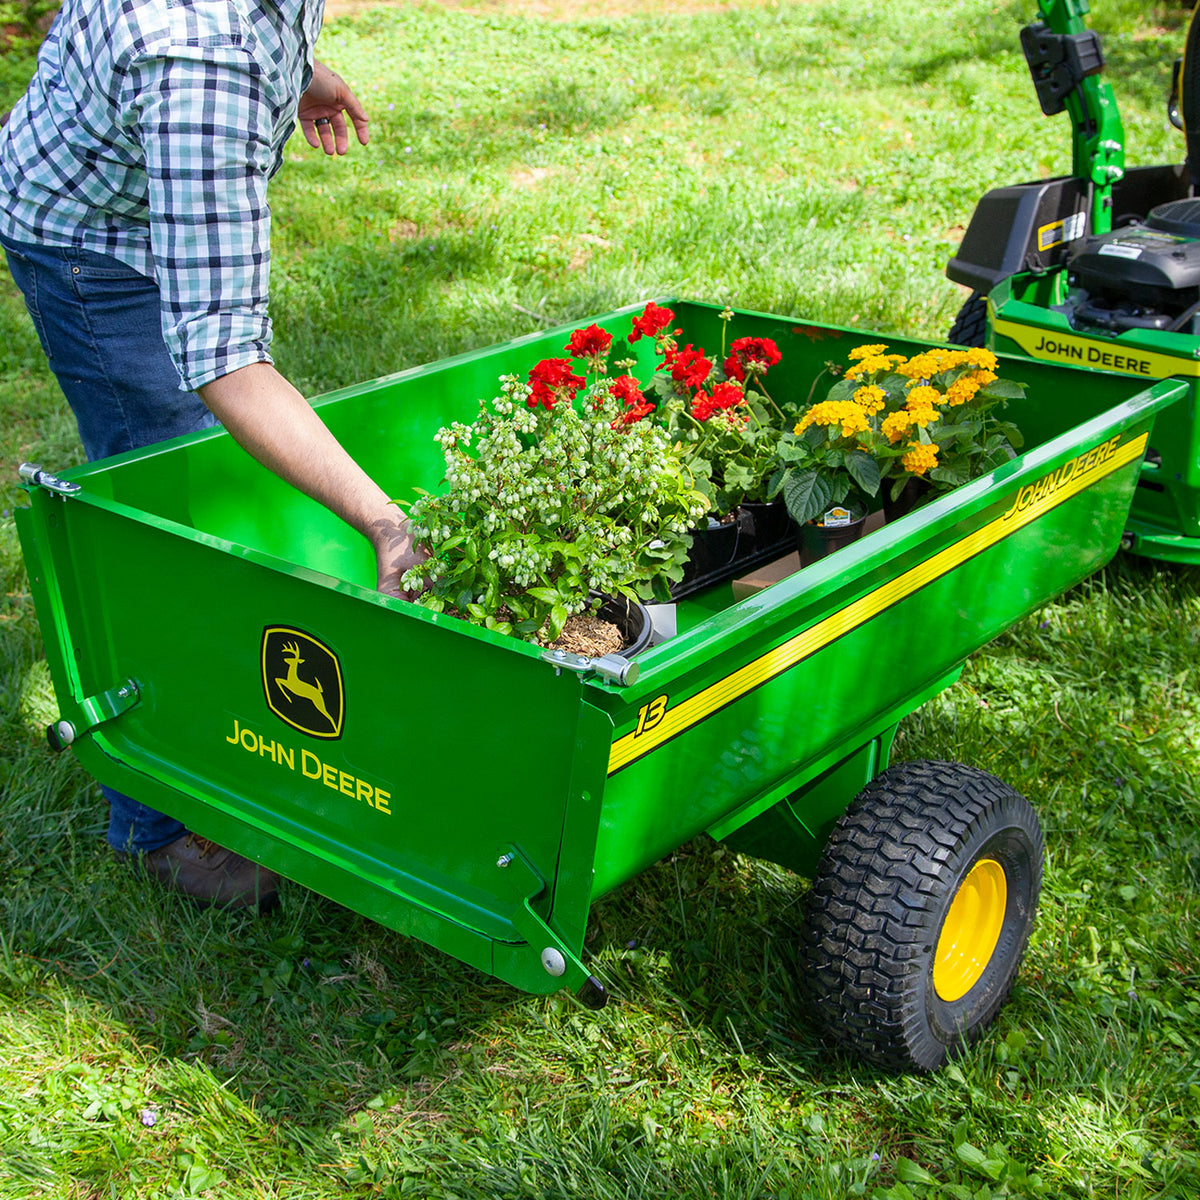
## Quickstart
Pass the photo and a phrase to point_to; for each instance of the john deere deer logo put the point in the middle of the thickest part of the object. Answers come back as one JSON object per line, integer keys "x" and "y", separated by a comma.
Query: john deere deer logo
{"x": 302, "y": 681}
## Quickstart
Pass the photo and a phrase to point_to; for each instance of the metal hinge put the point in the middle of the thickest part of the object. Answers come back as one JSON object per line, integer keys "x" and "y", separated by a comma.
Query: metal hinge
{"x": 557, "y": 958}
{"x": 612, "y": 667}
{"x": 93, "y": 711}
{"x": 35, "y": 474}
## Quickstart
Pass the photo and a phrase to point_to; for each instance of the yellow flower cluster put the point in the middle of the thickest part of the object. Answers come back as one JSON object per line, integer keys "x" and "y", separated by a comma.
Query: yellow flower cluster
{"x": 870, "y": 399}
{"x": 866, "y": 352}
{"x": 845, "y": 413}
{"x": 920, "y": 409}
{"x": 871, "y": 365}
{"x": 920, "y": 460}
{"x": 930, "y": 363}
{"x": 961, "y": 390}
{"x": 896, "y": 425}
{"x": 984, "y": 359}
{"x": 933, "y": 362}
{"x": 921, "y": 397}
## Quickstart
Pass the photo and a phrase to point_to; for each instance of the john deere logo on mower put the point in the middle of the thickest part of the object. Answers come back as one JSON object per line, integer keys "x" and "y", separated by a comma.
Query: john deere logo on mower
{"x": 302, "y": 681}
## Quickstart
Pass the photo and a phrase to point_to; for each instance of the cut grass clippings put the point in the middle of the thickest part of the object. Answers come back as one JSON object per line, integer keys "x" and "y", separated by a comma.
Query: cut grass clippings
{"x": 525, "y": 169}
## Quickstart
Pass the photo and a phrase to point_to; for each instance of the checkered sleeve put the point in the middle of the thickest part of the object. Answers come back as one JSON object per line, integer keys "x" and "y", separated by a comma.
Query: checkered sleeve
{"x": 205, "y": 124}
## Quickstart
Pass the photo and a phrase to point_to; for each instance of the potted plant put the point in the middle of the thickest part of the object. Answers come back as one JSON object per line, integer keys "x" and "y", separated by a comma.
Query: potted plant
{"x": 906, "y": 428}
{"x": 720, "y": 412}
{"x": 935, "y": 423}
{"x": 825, "y": 475}
{"x": 558, "y": 493}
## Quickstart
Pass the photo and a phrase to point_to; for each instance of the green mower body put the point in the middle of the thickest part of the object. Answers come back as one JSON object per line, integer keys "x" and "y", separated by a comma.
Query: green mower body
{"x": 1101, "y": 268}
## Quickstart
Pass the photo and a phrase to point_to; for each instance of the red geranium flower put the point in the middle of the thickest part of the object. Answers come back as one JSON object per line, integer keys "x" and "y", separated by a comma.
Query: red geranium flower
{"x": 728, "y": 395}
{"x": 631, "y": 416}
{"x": 689, "y": 366}
{"x": 591, "y": 342}
{"x": 751, "y": 355}
{"x": 652, "y": 322}
{"x": 702, "y": 406}
{"x": 552, "y": 381}
{"x": 627, "y": 389}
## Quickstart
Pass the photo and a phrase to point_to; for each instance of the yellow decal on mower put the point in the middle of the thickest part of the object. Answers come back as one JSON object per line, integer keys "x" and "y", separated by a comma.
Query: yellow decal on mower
{"x": 1086, "y": 352}
{"x": 1058, "y": 233}
{"x": 659, "y": 722}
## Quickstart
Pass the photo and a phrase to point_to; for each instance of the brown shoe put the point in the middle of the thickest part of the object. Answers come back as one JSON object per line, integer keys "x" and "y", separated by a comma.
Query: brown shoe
{"x": 209, "y": 874}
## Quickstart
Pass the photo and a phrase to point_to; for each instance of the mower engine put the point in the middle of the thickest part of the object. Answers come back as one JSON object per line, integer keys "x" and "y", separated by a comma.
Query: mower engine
{"x": 1144, "y": 275}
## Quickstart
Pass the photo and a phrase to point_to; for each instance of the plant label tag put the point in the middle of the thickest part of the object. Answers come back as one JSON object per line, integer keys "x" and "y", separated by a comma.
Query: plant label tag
{"x": 836, "y": 516}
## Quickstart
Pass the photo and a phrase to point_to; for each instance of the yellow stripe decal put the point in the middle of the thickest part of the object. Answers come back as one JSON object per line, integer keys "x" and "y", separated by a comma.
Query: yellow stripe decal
{"x": 1103, "y": 355}
{"x": 1031, "y": 502}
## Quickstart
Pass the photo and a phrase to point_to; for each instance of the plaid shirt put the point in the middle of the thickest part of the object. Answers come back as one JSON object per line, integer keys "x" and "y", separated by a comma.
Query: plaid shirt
{"x": 148, "y": 134}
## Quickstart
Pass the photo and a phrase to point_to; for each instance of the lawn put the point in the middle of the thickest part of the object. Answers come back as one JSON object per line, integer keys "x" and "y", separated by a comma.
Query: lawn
{"x": 533, "y": 164}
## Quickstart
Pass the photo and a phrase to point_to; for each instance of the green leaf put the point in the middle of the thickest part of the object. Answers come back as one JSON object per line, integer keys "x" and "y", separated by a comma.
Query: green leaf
{"x": 1004, "y": 389}
{"x": 806, "y": 494}
{"x": 954, "y": 476}
{"x": 945, "y": 431}
{"x": 558, "y": 618}
{"x": 547, "y": 595}
{"x": 864, "y": 470}
{"x": 974, "y": 1158}
{"x": 844, "y": 389}
{"x": 908, "y": 1171}
{"x": 1008, "y": 431}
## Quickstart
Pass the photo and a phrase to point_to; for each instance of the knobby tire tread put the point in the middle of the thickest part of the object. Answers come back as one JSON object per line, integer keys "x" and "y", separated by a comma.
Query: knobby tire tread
{"x": 970, "y": 326}
{"x": 876, "y": 886}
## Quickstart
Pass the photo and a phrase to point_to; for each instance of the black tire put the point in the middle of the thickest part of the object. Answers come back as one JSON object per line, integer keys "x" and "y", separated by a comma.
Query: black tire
{"x": 970, "y": 326}
{"x": 878, "y": 906}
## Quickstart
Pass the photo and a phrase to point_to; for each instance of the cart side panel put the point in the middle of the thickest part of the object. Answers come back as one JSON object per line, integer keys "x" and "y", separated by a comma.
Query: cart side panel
{"x": 806, "y": 671}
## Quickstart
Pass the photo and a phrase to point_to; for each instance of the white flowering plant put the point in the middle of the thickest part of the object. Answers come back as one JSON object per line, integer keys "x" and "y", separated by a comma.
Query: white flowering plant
{"x": 558, "y": 492}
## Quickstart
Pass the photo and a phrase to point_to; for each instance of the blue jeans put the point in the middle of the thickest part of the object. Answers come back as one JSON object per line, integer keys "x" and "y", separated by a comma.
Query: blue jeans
{"x": 99, "y": 323}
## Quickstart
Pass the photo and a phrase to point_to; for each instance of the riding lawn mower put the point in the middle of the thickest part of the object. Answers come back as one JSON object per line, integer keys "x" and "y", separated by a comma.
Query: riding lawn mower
{"x": 1101, "y": 268}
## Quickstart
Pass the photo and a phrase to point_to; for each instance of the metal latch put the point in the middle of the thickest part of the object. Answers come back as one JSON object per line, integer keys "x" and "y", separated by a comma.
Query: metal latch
{"x": 93, "y": 711}
{"x": 612, "y": 667}
{"x": 556, "y": 956}
{"x": 35, "y": 474}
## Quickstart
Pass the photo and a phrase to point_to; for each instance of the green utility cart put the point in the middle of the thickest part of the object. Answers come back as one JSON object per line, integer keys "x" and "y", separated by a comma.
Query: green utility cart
{"x": 1101, "y": 268}
{"x": 480, "y": 793}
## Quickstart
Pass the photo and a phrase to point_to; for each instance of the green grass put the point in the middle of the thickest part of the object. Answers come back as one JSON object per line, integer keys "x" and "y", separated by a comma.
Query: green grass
{"x": 812, "y": 158}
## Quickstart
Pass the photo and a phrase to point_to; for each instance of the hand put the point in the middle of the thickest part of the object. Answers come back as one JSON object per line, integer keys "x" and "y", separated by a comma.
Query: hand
{"x": 323, "y": 110}
{"x": 395, "y": 553}
{"x": 273, "y": 422}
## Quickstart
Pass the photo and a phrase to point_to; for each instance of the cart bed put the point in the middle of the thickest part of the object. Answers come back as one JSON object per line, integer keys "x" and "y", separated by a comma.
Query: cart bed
{"x": 466, "y": 791}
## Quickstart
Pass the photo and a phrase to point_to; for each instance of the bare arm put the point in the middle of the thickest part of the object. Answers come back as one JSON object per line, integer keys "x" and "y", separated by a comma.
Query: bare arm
{"x": 273, "y": 422}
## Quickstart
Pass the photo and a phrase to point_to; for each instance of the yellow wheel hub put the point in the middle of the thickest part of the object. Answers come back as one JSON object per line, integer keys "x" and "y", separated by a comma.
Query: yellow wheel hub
{"x": 971, "y": 930}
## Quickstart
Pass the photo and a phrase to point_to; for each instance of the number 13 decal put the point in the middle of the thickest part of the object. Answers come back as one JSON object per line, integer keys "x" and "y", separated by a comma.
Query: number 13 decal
{"x": 650, "y": 715}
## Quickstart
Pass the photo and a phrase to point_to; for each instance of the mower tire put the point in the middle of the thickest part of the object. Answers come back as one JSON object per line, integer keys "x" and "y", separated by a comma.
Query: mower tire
{"x": 920, "y": 913}
{"x": 970, "y": 326}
